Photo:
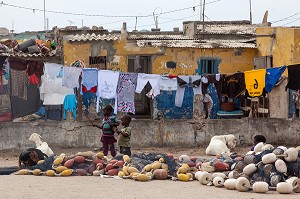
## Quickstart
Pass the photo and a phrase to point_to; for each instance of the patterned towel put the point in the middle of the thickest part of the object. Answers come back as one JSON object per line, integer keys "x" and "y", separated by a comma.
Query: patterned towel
{"x": 126, "y": 91}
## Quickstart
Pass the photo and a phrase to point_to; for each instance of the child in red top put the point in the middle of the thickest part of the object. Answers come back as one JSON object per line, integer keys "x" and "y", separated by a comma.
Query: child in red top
{"x": 109, "y": 127}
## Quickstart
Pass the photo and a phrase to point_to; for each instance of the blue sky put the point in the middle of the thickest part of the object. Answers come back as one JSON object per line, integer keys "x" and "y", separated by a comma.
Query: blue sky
{"x": 28, "y": 19}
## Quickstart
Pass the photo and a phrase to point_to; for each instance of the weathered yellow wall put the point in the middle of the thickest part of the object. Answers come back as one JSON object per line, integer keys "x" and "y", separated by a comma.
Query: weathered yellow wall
{"x": 76, "y": 50}
{"x": 285, "y": 47}
{"x": 186, "y": 58}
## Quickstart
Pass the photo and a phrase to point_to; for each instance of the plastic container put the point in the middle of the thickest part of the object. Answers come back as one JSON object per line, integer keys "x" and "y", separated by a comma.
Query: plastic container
{"x": 228, "y": 106}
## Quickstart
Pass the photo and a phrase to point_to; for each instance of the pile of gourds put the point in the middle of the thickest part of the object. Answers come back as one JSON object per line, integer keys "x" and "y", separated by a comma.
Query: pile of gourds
{"x": 260, "y": 170}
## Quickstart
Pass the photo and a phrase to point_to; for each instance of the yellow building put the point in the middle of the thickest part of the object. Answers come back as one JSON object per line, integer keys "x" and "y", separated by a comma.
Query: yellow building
{"x": 279, "y": 46}
{"x": 223, "y": 47}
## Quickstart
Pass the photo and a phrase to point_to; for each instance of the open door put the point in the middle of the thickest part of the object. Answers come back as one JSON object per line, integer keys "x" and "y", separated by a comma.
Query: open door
{"x": 141, "y": 64}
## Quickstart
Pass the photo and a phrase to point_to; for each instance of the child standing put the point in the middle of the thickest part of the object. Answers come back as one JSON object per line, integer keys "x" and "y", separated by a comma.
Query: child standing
{"x": 124, "y": 135}
{"x": 109, "y": 127}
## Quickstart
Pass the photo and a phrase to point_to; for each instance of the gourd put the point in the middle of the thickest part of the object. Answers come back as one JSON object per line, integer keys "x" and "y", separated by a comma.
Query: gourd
{"x": 58, "y": 161}
{"x": 37, "y": 172}
{"x": 183, "y": 177}
{"x": 69, "y": 163}
{"x": 218, "y": 181}
{"x": 269, "y": 158}
{"x": 258, "y": 147}
{"x": 67, "y": 172}
{"x": 205, "y": 178}
{"x": 260, "y": 187}
{"x": 79, "y": 159}
{"x": 230, "y": 184}
{"x": 242, "y": 184}
{"x": 280, "y": 166}
{"x": 142, "y": 178}
{"x": 218, "y": 174}
{"x": 50, "y": 173}
{"x": 160, "y": 174}
{"x": 249, "y": 169}
{"x": 284, "y": 188}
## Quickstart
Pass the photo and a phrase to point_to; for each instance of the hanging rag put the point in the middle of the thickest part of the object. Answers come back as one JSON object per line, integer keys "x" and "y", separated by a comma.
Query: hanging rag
{"x": 2, "y": 60}
{"x": 107, "y": 86}
{"x": 234, "y": 85}
{"x": 36, "y": 68}
{"x": 6, "y": 69}
{"x": 18, "y": 83}
{"x": 53, "y": 92}
{"x": 293, "y": 76}
{"x": 126, "y": 91}
{"x": 33, "y": 79}
{"x": 143, "y": 79}
{"x": 272, "y": 76}
{"x": 71, "y": 76}
{"x": 216, "y": 79}
{"x": 70, "y": 104}
{"x": 167, "y": 83}
{"x": 89, "y": 77}
{"x": 52, "y": 70}
{"x": 88, "y": 98}
{"x": 255, "y": 81}
{"x": 187, "y": 81}
{"x": 92, "y": 90}
{"x": 209, "y": 102}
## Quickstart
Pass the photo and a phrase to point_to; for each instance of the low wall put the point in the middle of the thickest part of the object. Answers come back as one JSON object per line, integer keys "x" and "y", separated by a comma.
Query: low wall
{"x": 152, "y": 133}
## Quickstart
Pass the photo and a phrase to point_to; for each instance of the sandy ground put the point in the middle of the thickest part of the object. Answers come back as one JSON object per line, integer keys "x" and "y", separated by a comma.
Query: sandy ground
{"x": 31, "y": 187}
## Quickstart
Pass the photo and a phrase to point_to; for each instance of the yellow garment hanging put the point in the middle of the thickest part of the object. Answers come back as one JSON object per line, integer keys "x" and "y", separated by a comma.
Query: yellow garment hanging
{"x": 255, "y": 82}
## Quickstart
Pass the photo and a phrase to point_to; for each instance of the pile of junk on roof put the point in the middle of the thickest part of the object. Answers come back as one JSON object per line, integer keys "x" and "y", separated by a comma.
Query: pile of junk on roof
{"x": 263, "y": 170}
{"x": 30, "y": 46}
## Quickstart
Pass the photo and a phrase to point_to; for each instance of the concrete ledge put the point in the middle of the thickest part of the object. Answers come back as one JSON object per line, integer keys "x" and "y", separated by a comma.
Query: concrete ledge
{"x": 152, "y": 133}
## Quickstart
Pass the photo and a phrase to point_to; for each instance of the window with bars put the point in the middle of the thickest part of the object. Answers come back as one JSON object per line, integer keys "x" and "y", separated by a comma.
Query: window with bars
{"x": 98, "y": 62}
{"x": 208, "y": 65}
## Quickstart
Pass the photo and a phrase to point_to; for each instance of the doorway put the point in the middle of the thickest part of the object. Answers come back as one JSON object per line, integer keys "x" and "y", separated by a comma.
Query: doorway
{"x": 141, "y": 64}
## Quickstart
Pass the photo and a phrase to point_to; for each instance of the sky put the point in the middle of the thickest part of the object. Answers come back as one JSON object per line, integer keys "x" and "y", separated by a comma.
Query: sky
{"x": 282, "y": 13}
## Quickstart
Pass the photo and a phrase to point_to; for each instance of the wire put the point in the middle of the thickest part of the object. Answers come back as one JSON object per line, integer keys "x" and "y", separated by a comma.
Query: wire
{"x": 100, "y": 15}
{"x": 291, "y": 22}
{"x": 167, "y": 21}
{"x": 285, "y": 18}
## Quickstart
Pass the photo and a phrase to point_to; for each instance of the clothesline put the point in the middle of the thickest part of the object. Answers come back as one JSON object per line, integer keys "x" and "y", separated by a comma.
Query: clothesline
{"x": 58, "y": 81}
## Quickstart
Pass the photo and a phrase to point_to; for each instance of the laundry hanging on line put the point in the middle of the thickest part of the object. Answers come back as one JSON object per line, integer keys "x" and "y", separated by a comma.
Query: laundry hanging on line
{"x": 255, "y": 82}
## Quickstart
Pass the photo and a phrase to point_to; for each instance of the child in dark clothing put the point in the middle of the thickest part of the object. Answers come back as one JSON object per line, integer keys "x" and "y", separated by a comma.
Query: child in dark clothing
{"x": 124, "y": 136}
{"x": 109, "y": 127}
{"x": 257, "y": 139}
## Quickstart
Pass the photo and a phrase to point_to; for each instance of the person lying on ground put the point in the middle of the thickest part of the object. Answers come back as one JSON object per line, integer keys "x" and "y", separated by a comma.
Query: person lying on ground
{"x": 30, "y": 157}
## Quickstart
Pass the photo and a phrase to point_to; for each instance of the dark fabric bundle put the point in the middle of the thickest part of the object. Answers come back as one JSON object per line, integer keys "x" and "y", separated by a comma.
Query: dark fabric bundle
{"x": 140, "y": 160}
{"x": 293, "y": 75}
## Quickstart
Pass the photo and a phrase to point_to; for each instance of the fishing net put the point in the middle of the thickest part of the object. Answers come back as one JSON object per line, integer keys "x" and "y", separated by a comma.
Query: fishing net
{"x": 140, "y": 160}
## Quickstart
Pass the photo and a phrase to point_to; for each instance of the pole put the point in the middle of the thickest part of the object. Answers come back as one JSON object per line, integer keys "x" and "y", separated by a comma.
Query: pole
{"x": 200, "y": 8}
{"x": 82, "y": 23}
{"x": 47, "y": 23}
{"x": 45, "y": 15}
{"x": 203, "y": 26}
{"x": 250, "y": 11}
